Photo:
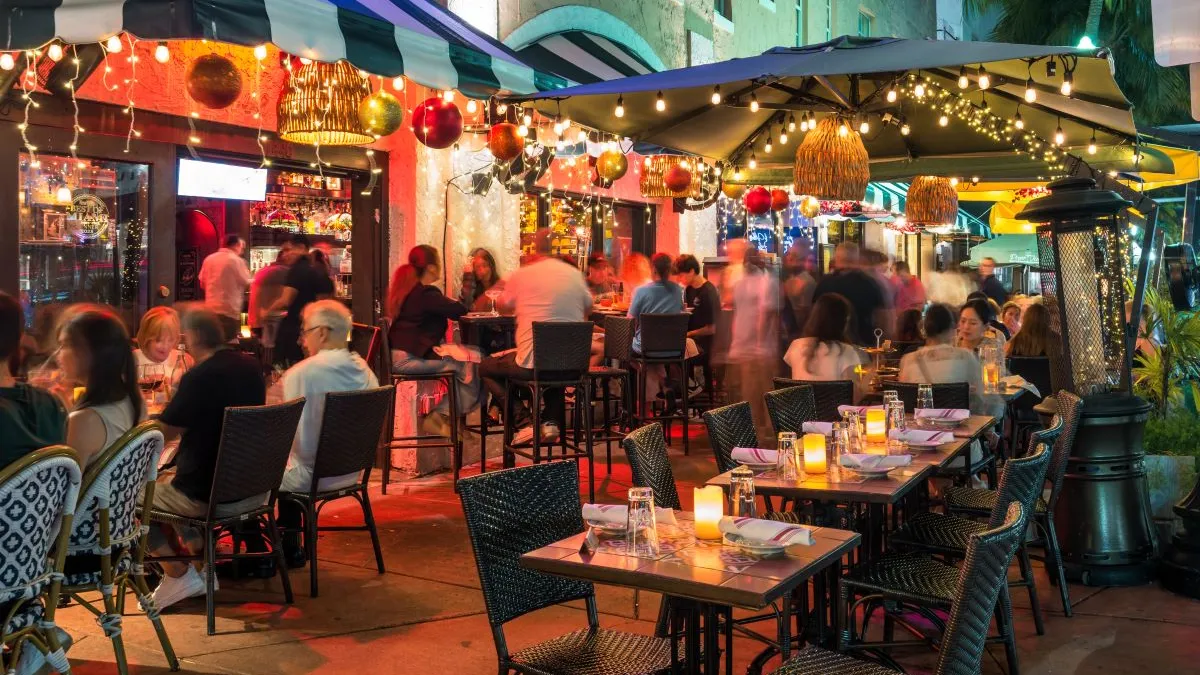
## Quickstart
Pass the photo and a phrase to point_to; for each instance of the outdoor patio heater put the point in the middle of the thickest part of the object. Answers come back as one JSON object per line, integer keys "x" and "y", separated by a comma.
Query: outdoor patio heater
{"x": 1103, "y": 518}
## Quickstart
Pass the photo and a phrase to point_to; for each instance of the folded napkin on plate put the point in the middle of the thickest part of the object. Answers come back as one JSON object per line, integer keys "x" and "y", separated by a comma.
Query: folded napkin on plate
{"x": 617, "y": 514}
{"x": 860, "y": 461}
{"x": 823, "y": 428}
{"x": 1018, "y": 382}
{"x": 766, "y": 531}
{"x": 942, "y": 413}
{"x": 860, "y": 409}
{"x": 754, "y": 456}
{"x": 921, "y": 436}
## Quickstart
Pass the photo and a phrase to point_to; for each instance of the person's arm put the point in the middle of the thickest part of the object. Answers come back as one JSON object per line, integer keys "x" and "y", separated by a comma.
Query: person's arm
{"x": 435, "y": 302}
{"x": 244, "y": 271}
{"x": 286, "y": 295}
{"x": 85, "y": 434}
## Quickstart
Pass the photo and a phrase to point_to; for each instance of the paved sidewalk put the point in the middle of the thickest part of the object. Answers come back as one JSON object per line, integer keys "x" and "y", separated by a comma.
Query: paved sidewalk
{"x": 426, "y": 614}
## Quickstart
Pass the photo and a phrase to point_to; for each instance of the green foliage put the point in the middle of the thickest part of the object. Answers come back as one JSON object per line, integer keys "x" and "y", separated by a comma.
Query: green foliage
{"x": 1176, "y": 360}
{"x": 1175, "y": 434}
{"x": 1160, "y": 95}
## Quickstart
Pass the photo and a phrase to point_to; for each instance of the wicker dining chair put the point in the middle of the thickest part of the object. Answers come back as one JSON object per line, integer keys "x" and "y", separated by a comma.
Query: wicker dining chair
{"x": 367, "y": 341}
{"x": 618, "y": 350}
{"x": 252, "y": 456}
{"x": 947, "y": 535}
{"x": 515, "y": 511}
{"x": 980, "y": 502}
{"x": 975, "y": 588}
{"x": 664, "y": 343}
{"x": 945, "y": 395}
{"x": 108, "y": 544}
{"x": 730, "y": 427}
{"x": 352, "y": 428}
{"x": 916, "y": 580}
{"x": 38, "y": 495}
{"x": 646, "y": 449}
{"x": 827, "y": 396}
{"x": 790, "y": 408}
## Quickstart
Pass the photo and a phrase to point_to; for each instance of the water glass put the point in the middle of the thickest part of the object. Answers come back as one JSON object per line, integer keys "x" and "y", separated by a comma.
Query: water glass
{"x": 989, "y": 358}
{"x": 924, "y": 396}
{"x": 787, "y": 465}
{"x": 741, "y": 493}
{"x": 641, "y": 530}
{"x": 895, "y": 420}
{"x": 890, "y": 395}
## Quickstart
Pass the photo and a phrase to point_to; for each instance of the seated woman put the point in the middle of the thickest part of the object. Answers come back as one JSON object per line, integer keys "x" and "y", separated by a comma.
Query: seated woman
{"x": 420, "y": 316}
{"x": 908, "y": 332}
{"x": 1035, "y": 338}
{"x": 825, "y": 350}
{"x": 158, "y": 339}
{"x": 480, "y": 276}
{"x": 30, "y": 418}
{"x": 1010, "y": 316}
{"x": 976, "y": 326}
{"x": 95, "y": 354}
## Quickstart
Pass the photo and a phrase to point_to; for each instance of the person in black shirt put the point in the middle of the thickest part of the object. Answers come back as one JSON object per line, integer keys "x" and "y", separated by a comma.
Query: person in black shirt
{"x": 221, "y": 378}
{"x": 305, "y": 283}
{"x": 30, "y": 418}
{"x": 702, "y": 298}
{"x": 420, "y": 315}
{"x": 861, "y": 289}
{"x": 989, "y": 285}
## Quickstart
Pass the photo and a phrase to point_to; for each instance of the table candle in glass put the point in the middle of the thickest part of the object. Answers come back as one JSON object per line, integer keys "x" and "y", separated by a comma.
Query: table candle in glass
{"x": 709, "y": 507}
{"x": 814, "y": 453}
{"x": 876, "y": 425}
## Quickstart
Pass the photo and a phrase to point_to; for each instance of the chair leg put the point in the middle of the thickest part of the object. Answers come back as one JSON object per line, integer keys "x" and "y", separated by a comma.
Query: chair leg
{"x": 1054, "y": 560}
{"x": 142, "y": 589}
{"x": 110, "y": 608}
{"x": 683, "y": 423}
{"x": 369, "y": 519}
{"x": 310, "y": 541}
{"x": 279, "y": 559}
{"x": 1005, "y": 626}
{"x": 483, "y": 427}
{"x": 607, "y": 398}
{"x": 210, "y": 567}
{"x": 587, "y": 435}
{"x": 1027, "y": 576}
{"x": 537, "y": 427}
{"x": 456, "y": 450}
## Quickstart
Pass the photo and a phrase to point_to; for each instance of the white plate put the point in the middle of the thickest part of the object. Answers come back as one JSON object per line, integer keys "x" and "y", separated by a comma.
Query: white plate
{"x": 938, "y": 423}
{"x": 921, "y": 444}
{"x": 873, "y": 472}
{"x": 759, "y": 467}
{"x": 608, "y": 528}
{"x": 755, "y": 547}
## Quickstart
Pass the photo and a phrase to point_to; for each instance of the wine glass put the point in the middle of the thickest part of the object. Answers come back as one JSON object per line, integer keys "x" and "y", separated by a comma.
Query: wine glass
{"x": 492, "y": 294}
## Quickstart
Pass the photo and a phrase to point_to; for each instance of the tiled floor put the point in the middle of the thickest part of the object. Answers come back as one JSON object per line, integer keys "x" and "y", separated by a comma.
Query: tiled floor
{"x": 426, "y": 614}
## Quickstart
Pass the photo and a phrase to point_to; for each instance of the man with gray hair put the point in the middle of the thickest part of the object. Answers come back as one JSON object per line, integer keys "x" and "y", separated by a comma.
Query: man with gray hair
{"x": 328, "y": 367}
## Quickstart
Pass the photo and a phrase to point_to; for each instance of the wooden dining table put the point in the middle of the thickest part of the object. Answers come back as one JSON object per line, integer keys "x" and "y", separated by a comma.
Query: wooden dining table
{"x": 705, "y": 580}
{"x": 844, "y": 486}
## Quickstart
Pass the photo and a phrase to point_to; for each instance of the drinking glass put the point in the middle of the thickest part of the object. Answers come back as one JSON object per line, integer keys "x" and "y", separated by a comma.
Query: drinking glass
{"x": 854, "y": 431}
{"x": 786, "y": 463}
{"x": 890, "y": 395}
{"x": 492, "y": 294}
{"x": 895, "y": 420}
{"x": 741, "y": 492}
{"x": 641, "y": 530}
{"x": 840, "y": 444}
{"x": 989, "y": 357}
{"x": 924, "y": 396}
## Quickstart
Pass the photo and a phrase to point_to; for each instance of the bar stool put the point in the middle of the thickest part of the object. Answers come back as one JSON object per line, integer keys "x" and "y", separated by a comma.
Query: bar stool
{"x": 419, "y": 440}
{"x": 561, "y": 359}
{"x": 664, "y": 342}
{"x": 618, "y": 350}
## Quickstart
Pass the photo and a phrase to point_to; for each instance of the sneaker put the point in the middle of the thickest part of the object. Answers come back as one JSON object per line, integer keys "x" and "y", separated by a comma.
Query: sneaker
{"x": 173, "y": 589}
{"x": 525, "y": 435}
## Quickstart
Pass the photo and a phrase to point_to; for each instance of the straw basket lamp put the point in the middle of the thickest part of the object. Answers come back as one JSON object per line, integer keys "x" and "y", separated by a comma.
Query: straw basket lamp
{"x": 654, "y": 172}
{"x": 931, "y": 201}
{"x": 830, "y": 165}
{"x": 320, "y": 105}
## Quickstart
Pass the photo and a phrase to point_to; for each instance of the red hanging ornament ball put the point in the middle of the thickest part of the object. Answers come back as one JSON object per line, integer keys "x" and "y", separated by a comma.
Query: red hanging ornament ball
{"x": 779, "y": 199}
{"x": 213, "y": 81}
{"x": 504, "y": 141}
{"x": 757, "y": 201}
{"x": 437, "y": 123}
{"x": 677, "y": 179}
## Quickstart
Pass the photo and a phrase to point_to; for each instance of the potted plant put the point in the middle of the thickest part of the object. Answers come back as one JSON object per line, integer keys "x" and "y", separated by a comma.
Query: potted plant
{"x": 1172, "y": 445}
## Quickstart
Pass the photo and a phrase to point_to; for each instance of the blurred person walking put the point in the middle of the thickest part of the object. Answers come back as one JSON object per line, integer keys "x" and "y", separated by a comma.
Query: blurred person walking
{"x": 754, "y": 350}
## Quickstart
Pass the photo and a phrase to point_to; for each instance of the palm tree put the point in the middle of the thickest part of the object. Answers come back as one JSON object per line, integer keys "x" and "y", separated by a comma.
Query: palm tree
{"x": 1160, "y": 95}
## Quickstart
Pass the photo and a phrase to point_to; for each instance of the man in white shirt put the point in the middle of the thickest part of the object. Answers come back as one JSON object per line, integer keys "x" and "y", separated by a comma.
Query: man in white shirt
{"x": 330, "y": 367}
{"x": 545, "y": 289}
{"x": 224, "y": 276}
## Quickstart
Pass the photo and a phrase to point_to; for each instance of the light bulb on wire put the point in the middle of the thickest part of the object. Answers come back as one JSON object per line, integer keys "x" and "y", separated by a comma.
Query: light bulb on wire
{"x": 905, "y": 129}
{"x": 963, "y": 82}
{"x": 113, "y": 44}
{"x": 472, "y": 106}
{"x": 660, "y": 104}
{"x": 753, "y": 103}
{"x": 1059, "y": 136}
{"x": 944, "y": 120}
{"x": 716, "y": 95}
{"x": 864, "y": 126}
{"x": 892, "y": 95}
{"x": 260, "y": 52}
{"x": 1030, "y": 92}
{"x": 1019, "y": 122}
{"x": 753, "y": 163}
{"x": 522, "y": 131}
{"x": 985, "y": 80}
{"x": 55, "y": 52}
{"x": 783, "y": 137}
{"x": 768, "y": 146}
{"x": 7, "y": 62}
{"x": 162, "y": 53}
{"x": 843, "y": 128}
{"x": 527, "y": 119}
{"x": 1092, "y": 144}
{"x": 398, "y": 85}
{"x": 919, "y": 90}
{"x": 792, "y": 122}
{"x": 620, "y": 109}
{"x": 1068, "y": 83}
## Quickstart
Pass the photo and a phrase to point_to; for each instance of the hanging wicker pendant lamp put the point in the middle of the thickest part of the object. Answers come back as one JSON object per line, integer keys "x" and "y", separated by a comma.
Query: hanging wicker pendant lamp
{"x": 660, "y": 173}
{"x": 319, "y": 106}
{"x": 830, "y": 165}
{"x": 932, "y": 201}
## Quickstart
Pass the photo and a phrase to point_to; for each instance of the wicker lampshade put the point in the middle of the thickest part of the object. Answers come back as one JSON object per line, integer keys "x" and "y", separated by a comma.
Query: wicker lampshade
{"x": 320, "y": 105}
{"x": 655, "y": 169}
{"x": 931, "y": 201}
{"x": 831, "y": 166}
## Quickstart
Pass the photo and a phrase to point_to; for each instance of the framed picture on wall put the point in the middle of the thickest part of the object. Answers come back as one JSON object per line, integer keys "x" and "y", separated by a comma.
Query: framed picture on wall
{"x": 53, "y": 224}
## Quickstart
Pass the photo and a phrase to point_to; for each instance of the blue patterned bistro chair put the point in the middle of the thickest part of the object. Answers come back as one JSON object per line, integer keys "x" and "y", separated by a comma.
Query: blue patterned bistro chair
{"x": 38, "y": 494}
{"x": 108, "y": 541}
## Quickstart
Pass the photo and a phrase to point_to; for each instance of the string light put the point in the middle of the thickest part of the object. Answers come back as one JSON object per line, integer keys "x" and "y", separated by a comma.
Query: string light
{"x": 1092, "y": 144}
{"x": 162, "y": 53}
{"x": 1019, "y": 122}
{"x": 985, "y": 80}
{"x": 864, "y": 127}
{"x": 1030, "y": 92}
{"x": 891, "y": 94}
{"x": 113, "y": 45}
{"x": 753, "y": 163}
{"x": 1068, "y": 83}
{"x": 522, "y": 131}
{"x": 905, "y": 129}
{"x": 1059, "y": 136}
{"x": 716, "y": 95}
{"x": 620, "y": 110}
{"x": 659, "y": 103}
{"x": 944, "y": 120}
{"x": 753, "y": 102}
{"x": 55, "y": 52}
{"x": 963, "y": 82}
{"x": 843, "y": 128}
{"x": 767, "y": 147}
{"x": 792, "y": 123}
{"x": 953, "y": 181}
{"x": 472, "y": 106}
{"x": 527, "y": 119}
{"x": 448, "y": 96}
{"x": 804, "y": 122}
{"x": 783, "y": 137}
{"x": 6, "y": 61}
{"x": 919, "y": 90}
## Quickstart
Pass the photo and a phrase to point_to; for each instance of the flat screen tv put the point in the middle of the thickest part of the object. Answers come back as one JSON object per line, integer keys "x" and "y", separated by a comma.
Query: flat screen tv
{"x": 221, "y": 181}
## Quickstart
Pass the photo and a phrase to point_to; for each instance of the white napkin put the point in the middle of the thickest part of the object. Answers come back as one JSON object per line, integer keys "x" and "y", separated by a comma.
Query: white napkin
{"x": 754, "y": 456}
{"x": 958, "y": 414}
{"x": 1018, "y": 382}
{"x": 860, "y": 409}
{"x": 823, "y": 428}
{"x": 617, "y": 514}
{"x": 860, "y": 461}
{"x": 921, "y": 436}
{"x": 766, "y": 531}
